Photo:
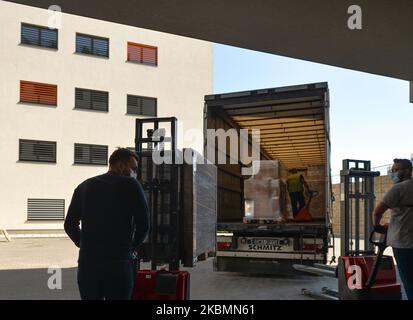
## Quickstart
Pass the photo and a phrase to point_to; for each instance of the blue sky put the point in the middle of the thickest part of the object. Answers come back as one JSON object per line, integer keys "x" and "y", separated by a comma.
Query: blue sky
{"x": 371, "y": 117}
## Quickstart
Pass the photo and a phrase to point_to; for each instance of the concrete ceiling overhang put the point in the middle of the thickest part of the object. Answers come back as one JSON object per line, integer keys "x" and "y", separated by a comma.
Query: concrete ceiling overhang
{"x": 313, "y": 30}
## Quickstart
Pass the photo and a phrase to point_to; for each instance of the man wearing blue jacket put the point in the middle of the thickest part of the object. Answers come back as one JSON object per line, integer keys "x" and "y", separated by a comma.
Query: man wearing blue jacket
{"x": 114, "y": 218}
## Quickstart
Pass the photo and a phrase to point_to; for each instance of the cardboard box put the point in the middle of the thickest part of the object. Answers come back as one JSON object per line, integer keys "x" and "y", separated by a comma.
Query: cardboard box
{"x": 264, "y": 198}
{"x": 270, "y": 169}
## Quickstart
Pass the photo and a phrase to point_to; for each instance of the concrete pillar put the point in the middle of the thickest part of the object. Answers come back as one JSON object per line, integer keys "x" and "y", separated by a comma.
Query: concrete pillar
{"x": 411, "y": 91}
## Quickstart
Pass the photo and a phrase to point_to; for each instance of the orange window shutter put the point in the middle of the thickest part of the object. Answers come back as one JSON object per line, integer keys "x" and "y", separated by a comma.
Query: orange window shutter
{"x": 142, "y": 53}
{"x": 39, "y": 93}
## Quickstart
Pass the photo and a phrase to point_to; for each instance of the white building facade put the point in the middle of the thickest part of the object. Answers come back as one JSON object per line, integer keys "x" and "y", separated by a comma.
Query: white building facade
{"x": 70, "y": 97}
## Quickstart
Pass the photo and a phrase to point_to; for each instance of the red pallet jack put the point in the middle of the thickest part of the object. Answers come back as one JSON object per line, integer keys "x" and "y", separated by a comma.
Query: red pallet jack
{"x": 304, "y": 214}
{"x": 362, "y": 277}
{"x": 369, "y": 277}
{"x": 161, "y": 285}
{"x": 361, "y": 274}
{"x": 160, "y": 183}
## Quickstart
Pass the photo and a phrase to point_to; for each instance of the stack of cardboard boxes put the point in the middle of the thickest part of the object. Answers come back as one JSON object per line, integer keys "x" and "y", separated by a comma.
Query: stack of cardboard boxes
{"x": 266, "y": 194}
{"x": 316, "y": 179}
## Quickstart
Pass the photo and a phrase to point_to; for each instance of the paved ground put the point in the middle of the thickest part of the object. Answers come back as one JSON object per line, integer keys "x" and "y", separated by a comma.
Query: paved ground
{"x": 24, "y": 265}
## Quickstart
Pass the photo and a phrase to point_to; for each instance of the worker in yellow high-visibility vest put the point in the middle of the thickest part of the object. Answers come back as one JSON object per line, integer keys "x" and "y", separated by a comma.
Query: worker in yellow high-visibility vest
{"x": 295, "y": 186}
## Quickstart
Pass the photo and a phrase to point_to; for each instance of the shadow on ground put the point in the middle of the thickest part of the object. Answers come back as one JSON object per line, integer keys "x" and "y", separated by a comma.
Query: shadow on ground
{"x": 31, "y": 284}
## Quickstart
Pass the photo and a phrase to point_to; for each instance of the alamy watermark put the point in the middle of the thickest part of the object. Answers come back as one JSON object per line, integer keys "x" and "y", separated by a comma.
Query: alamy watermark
{"x": 222, "y": 147}
{"x": 54, "y": 282}
{"x": 55, "y": 20}
{"x": 354, "y": 281}
{"x": 355, "y": 22}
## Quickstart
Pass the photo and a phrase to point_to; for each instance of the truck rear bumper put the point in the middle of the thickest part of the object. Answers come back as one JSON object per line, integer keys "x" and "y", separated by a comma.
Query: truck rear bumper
{"x": 312, "y": 257}
{"x": 261, "y": 266}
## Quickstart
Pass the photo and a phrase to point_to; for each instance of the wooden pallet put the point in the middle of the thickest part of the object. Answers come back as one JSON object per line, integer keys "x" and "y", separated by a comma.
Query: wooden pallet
{"x": 205, "y": 256}
{"x": 262, "y": 221}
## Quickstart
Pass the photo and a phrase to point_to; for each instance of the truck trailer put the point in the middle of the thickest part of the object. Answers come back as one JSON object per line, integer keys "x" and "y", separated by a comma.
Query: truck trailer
{"x": 294, "y": 132}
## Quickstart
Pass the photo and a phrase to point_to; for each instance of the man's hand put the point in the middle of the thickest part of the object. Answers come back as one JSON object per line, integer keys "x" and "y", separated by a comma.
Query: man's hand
{"x": 380, "y": 228}
{"x": 312, "y": 193}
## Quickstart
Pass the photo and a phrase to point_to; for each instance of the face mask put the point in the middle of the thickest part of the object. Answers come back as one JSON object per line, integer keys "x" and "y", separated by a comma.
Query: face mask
{"x": 394, "y": 176}
{"x": 134, "y": 175}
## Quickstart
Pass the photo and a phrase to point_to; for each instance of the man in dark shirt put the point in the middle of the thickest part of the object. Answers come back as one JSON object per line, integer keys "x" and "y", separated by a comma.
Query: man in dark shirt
{"x": 114, "y": 219}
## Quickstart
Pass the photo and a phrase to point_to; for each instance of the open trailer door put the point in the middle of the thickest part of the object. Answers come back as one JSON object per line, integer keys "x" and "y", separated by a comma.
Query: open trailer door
{"x": 294, "y": 133}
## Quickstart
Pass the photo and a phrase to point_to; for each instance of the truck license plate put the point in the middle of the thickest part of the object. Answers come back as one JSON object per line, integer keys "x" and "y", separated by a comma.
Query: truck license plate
{"x": 264, "y": 244}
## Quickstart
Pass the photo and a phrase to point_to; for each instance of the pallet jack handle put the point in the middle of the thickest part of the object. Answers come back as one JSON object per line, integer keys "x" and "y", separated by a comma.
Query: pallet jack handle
{"x": 312, "y": 194}
{"x": 378, "y": 237}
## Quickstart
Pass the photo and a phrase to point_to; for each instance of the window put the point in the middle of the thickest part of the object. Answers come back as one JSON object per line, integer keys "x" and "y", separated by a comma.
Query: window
{"x": 142, "y": 53}
{"x": 142, "y": 106}
{"x": 39, "y": 36}
{"x": 45, "y": 209}
{"x": 39, "y": 93}
{"x": 91, "y": 154}
{"x": 92, "y": 100}
{"x": 92, "y": 45}
{"x": 39, "y": 151}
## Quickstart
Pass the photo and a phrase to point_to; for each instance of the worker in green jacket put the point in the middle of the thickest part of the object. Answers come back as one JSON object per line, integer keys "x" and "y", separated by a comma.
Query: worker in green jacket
{"x": 295, "y": 186}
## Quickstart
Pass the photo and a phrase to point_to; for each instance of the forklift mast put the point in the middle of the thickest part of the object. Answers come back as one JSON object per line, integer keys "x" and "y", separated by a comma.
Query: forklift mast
{"x": 160, "y": 182}
{"x": 357, "y": 200}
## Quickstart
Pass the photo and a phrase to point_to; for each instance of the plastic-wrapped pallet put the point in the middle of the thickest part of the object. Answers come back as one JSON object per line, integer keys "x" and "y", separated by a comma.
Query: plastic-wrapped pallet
{"x": 288, "y": 213}
{"x": 264, "y": 193}
{"x": 270, "y": 169}
{"x": 198, "y": 209}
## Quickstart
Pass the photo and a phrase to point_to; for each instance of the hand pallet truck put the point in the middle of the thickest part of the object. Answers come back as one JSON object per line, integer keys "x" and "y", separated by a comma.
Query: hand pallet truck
{"x": 361, "y": 274}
